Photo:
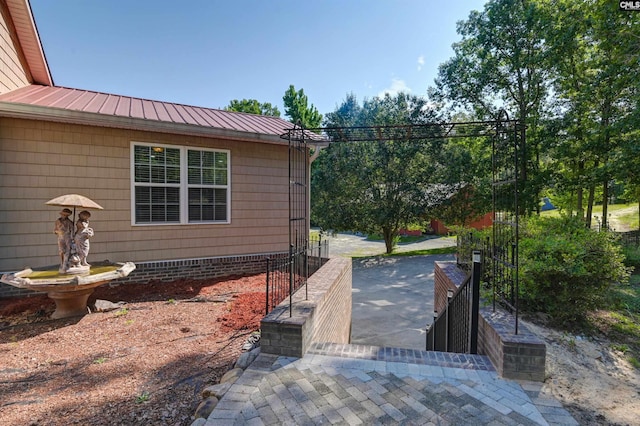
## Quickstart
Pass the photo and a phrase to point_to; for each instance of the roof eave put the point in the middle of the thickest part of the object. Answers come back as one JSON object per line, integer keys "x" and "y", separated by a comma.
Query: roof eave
{"x": 30, "y": 43}
{"x": 35, "y": 112}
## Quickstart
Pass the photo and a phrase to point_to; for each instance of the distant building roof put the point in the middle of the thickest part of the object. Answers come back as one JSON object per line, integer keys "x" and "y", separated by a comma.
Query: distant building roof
{"x": 102, "y": 109}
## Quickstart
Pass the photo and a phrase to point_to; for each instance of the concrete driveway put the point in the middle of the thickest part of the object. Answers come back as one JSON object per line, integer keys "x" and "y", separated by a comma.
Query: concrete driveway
{"x": 393, "y": 300}
{"x": 351, "y": 245}
{"x": 392, "y": 296}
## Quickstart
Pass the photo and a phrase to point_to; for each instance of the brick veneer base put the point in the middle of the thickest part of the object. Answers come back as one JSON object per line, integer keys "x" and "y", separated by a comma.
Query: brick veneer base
{"x": 515, "y": 356}
{"x": 519, "y": 356}
{"x": 169, "y": 270}
{"x": 324, "y": 317}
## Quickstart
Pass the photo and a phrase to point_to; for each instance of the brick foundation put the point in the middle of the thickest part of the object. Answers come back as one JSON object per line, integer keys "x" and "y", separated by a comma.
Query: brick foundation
{"x": 520, "y": 356}
{"x": 324, "y": 317}
{"x": 169, "y": 270}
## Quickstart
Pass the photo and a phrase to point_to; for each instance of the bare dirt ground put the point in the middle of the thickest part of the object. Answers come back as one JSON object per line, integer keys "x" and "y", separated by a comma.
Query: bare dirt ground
{"x": 592, "y": 379}
{"x": 143, "y": 364}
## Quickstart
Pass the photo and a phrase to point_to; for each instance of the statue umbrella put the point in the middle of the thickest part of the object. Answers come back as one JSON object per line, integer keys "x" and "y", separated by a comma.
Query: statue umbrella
{"x": 74, "y": 200}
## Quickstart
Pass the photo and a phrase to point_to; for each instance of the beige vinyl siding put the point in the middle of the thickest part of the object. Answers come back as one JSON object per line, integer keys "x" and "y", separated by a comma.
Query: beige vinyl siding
{"x": 42, "y": 160}
{"x": 12, "y": 71}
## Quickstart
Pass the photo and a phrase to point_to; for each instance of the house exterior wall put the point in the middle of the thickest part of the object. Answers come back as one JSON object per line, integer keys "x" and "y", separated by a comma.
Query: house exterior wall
{"x": 480, "y": 223}
{"x": 42, "y": 160}
{"x": 12, "y": 72}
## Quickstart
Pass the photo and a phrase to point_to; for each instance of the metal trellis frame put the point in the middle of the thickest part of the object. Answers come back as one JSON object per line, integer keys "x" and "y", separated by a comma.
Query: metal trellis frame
{"x": 507, "y": 138}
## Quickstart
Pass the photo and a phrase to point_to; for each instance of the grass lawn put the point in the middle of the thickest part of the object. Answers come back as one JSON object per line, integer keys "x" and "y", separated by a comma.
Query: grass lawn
{"x": 441, "y": 250}
{"x": 630, "y": 219}
{"x": 621, "y": 321}
{"x": 403, "y": 239}
{"x": 597, "y": 209}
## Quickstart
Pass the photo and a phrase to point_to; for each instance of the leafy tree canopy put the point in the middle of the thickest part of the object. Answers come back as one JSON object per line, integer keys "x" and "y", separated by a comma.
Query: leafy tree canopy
{"x": 297, "y": 109}
{"x": 502, "y": 62}
{"x": 252, "y": 106}
{"x": 380, "y": 186}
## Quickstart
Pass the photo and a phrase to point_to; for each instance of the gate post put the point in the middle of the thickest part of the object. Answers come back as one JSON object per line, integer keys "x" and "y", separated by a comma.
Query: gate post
{"x": 476, "y": 273}
{"x": 447, "y": 327}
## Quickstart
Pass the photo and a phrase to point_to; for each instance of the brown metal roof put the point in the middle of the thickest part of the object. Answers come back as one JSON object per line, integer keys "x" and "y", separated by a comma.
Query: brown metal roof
{"x": 60, "y": 101}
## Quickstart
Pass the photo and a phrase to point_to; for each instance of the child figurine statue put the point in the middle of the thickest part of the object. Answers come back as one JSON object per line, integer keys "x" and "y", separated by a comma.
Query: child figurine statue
{"x": 83, "y": 233}
{"x": 64, "y": 229}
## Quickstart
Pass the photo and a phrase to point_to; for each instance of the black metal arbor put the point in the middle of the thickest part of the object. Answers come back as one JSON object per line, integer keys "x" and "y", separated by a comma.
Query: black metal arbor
{"x": 507, "y": 138}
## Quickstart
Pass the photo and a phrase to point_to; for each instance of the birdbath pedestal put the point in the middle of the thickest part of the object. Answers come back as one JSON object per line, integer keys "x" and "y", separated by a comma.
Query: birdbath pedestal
{"x": 69, "y": 292}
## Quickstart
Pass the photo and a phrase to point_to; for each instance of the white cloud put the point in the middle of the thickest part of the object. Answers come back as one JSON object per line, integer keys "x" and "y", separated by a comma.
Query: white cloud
{"x": 396, "y": 87}
{"x": 420, "y": 62}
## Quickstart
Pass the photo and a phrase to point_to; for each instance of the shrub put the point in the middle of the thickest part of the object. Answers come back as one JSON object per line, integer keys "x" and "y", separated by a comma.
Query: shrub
{"x": 468, "y": 240}
{"x": 631, "y": 256}
{"x": 565, "y": 268}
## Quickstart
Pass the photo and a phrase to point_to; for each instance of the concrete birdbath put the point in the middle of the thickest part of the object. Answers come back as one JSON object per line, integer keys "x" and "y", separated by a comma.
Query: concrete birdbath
{"x": 69, "y": 291}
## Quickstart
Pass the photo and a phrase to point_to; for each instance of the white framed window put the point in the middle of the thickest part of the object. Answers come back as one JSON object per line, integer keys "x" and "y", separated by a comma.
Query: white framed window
{"x": 179, "y": 184}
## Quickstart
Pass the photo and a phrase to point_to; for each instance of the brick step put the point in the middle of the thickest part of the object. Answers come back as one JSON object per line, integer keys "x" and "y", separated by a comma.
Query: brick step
{"x": 408, "y": 356}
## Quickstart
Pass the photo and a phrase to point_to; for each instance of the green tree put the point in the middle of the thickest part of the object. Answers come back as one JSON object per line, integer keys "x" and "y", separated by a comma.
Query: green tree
{"x": 381, "y": 185}
{"x": 252, "y": 106}
{"x": 593, "y": 46}
{"x": 501, "y": 63}
{"x": 297, "y": 109}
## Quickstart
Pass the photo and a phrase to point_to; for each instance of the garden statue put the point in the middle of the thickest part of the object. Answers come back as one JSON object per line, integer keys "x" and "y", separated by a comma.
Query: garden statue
{"x": 83, "y": 233}
{"x": 75, "y": 280}
{"x": 64, "y": 230}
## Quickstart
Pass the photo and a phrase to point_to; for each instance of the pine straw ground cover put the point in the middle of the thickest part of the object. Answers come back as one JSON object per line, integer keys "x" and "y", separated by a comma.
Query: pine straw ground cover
{"x": 145, "y": 363}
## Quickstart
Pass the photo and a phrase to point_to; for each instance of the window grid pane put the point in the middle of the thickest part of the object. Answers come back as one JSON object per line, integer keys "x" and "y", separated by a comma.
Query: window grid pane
{"x": 207, "y": 204}
{"x": 207, "y": 169}
{"x": 157, "y": 166}
{"x": 157, "y": 204}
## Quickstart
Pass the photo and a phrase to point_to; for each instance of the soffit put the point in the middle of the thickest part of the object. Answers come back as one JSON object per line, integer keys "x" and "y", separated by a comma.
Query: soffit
{"x": 29, "y": 40}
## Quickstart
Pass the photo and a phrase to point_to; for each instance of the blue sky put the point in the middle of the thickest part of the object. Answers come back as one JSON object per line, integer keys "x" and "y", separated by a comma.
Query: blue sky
{"x": 208, "y": 52}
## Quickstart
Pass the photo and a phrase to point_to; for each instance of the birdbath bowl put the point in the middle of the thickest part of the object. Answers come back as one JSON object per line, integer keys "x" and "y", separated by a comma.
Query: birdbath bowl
{"x": 69, "y": 291}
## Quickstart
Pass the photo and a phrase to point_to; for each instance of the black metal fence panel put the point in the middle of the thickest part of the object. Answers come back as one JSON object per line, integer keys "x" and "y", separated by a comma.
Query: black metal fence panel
{"x": 450, "y": 329}
{"x": 456, "y": 328}
{"x": 288, "y": 272}
{"x": 629, "y": 238}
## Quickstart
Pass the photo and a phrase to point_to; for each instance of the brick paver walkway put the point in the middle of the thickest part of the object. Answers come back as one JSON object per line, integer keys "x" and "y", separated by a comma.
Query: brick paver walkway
{"x": 355, "y": 384}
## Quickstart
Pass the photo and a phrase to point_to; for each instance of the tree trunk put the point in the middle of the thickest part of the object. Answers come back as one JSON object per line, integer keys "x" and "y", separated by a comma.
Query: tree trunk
{"x": 389, "y": 237}
{"x": 592, "y": 190}
{"x": 579, "y": 207}
{"x": 605, "y": 204}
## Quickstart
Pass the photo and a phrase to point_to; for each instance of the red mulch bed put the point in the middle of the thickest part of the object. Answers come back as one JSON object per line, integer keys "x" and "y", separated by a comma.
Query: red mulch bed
{"x": 145, "y": 363}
